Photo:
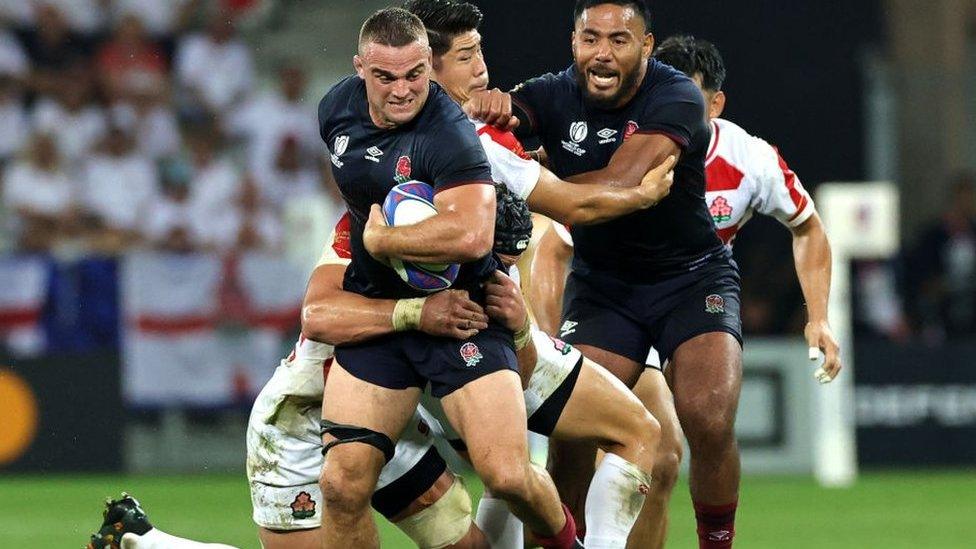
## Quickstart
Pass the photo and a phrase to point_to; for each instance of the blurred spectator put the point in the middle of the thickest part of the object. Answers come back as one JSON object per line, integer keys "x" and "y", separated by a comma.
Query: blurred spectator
{"x": 16, "y": 13}
{"x": 131, "y": 63}
{"x": 77, "y": 122}
{"x": 13, "y": 120}
{"x": 170, "y": 223}
{"x": 269, "y": 117}
{"x": 944, "y": 266}
{"x": 162, "y": 20}
{"x": 213, "y": 69}
{"x": 39, "y": 194}
{"x": 878, "y": 304}
{"x": 119, "y": 186}
{"x": 291, "y": 176}
{"x": 85, "y": 17}
{"x": 52, "y": 48}
{"x": 215, "y": 181}
{"x": 247, "y": 224}
{"x": 13, "y": 58}
{"x": 153, "y": 123}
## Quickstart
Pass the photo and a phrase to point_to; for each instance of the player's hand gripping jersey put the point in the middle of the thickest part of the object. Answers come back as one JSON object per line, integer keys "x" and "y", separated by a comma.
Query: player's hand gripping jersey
{"x": 674, "y": 237}
{"x": 745, "y": 174}
{"x": 438, "y": 147}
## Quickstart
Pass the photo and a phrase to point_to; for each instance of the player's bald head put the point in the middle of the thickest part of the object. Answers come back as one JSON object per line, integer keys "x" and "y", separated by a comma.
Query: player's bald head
{"x": 393, "y": 27}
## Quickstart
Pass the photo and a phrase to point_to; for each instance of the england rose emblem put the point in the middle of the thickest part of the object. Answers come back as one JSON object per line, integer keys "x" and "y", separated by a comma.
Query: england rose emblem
{"x": 470, "y": 354}
{"x": 403, "y": 170}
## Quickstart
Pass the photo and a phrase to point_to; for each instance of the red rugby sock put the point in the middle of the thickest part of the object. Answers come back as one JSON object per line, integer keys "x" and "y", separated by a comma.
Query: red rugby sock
{"x": 716, "y": 525}
{"x": 566, "y": 539}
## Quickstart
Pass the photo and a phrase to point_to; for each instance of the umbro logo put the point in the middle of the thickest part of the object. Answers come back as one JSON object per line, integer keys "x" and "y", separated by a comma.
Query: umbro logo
{"x": 607, "y": 135}
{"x": 373, "y": 154}
{"x": 567, "y": 328}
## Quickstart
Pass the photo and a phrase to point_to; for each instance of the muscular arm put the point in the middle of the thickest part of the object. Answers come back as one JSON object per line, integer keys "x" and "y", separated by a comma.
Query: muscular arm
{"x": 549, "y": 269}
{"x": 335, "y": 316}
{"x": 632, "y": 161}
{"x": 588, "y": 203}
{"x": 462, "y": 230}
{"x": 332, "y": 315}
{"x": 811, "y": 254}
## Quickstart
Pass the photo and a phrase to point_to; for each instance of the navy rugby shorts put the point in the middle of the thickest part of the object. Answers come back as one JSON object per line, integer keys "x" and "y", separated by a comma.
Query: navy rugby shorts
{"x": 627, "y": 319}
{"x": 412, "y": 359}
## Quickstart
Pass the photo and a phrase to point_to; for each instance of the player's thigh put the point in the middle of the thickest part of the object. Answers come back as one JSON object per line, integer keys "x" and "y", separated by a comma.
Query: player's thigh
{"x": 489, "y": 414}
{"x": 601, "y": 409}
{"x": 296, "y": 539}
{"x": 623, "y": 368}
{"x": 349, "y": 400}
{"x": 353, "y": 466}
{"x": 706, "y": 381}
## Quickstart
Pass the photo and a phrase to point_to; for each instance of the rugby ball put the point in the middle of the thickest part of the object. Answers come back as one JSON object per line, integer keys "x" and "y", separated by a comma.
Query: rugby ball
{"x": 406, "y": 204}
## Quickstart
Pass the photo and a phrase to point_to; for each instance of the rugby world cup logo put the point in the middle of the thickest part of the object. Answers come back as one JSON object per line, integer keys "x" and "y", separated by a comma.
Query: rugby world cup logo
{"x": 471, "y": 354}
{"x": 578, "y": 131}
{"x": 340, "y": 145}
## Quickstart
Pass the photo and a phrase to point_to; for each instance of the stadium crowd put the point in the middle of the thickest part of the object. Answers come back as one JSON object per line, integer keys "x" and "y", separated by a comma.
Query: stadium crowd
{"x": 140, "y": 123}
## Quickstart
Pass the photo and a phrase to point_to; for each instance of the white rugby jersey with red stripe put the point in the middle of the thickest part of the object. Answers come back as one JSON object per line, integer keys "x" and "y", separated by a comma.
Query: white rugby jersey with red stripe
{"x": 744, "y": 174}
{"x": 510, "y": 165}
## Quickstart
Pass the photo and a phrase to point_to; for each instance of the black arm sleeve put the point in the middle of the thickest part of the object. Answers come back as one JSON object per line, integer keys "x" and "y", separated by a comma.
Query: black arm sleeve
{"x": 529, "y": 101}
{"x": 679, "y": 113}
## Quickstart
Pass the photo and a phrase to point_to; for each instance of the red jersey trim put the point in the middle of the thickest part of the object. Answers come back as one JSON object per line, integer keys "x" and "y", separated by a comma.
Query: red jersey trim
{"x": 799, "y": 199}
{"x": 506, "y": 139}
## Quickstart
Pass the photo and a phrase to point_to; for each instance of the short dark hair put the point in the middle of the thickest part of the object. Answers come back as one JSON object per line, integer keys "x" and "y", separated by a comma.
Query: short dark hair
{"x": 693, "y": 56}
{"x": 639, "y": 6}
{"x": 394, "y": 27}
{"x": 445, "y": 20}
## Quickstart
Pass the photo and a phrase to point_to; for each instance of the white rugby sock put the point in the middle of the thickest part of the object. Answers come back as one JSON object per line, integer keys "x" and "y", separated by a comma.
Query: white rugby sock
{"x": 500, "y": 526}
{"x": 613, "y": 502}
{"x": 157, "y": 539}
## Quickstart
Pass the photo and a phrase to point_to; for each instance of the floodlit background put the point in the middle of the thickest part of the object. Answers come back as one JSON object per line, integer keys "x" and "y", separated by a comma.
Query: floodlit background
{"x": 163, "y": 195}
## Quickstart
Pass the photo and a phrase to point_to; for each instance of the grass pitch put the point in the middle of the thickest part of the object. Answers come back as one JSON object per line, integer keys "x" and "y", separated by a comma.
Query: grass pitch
{"x": 934, "y": 510}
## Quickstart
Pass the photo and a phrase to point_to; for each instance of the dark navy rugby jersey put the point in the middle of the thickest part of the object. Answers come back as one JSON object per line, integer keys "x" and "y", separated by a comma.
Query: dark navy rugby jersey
{"x": 675, "y": 236}
{"x": 439, "y": 147}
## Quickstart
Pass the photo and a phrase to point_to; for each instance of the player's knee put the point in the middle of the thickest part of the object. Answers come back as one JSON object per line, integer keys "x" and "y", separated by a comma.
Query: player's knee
{"x": 709, "y": 430}
{"x": 506, "y": 481}
{"x": 667, "y": 463}
{"x": 638, "y": 436}
{"x": 348, "y": 478}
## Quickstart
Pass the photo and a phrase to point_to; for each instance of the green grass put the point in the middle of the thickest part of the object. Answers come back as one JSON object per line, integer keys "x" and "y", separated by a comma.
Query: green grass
{"x": 931, "y": 510}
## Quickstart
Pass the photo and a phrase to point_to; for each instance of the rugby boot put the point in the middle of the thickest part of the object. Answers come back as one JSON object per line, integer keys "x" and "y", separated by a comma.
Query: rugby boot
{"x": 121, "y": 516}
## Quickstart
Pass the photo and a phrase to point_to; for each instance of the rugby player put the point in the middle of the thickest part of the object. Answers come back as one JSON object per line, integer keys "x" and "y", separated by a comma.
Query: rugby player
{"x": 659, "y": 277}
{"x": 743, "y": 175}
{"x": 459, "y": 66}
{"x": 385, "y": 125}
